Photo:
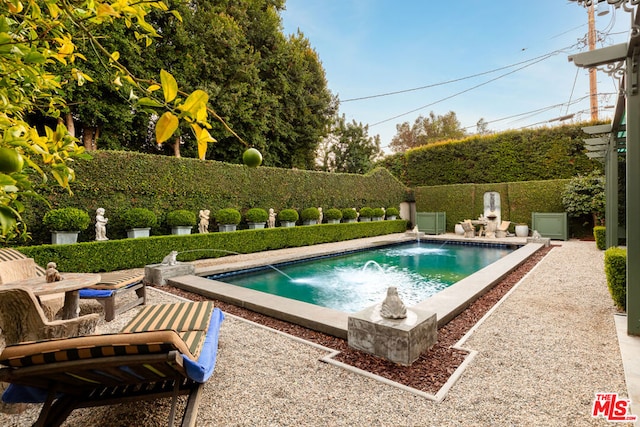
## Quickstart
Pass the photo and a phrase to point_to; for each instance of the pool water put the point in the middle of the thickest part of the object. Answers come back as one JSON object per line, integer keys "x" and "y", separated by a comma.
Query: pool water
{"x": 357, "y": 280}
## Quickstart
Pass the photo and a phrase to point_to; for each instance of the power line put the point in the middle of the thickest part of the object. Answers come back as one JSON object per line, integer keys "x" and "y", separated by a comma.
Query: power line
{"x": 547, "y": 55}
{"x": 461, "y": 92}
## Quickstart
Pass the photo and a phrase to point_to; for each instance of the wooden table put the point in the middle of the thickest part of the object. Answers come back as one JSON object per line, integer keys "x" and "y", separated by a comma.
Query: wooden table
{"x": 70, "y": 284}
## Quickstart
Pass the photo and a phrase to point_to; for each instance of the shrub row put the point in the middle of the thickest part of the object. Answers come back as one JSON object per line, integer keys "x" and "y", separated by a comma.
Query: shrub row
{"x": 131, "y": 253}
{"x": 615, "y": 268}
{"x": 600, "y": 234}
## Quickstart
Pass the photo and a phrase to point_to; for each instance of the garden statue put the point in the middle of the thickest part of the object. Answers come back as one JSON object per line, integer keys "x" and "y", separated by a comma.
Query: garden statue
{"x": 357, "y": 213}
{"x": 101, "y": 225}
{"x": 392, "y": 307}
{"x": 271, "y": 223}
{"x": 170, "y": 259}
{"x": 203, "y": 226}
{"x": 320, "y": 217}
{"x": 52, "y": 274}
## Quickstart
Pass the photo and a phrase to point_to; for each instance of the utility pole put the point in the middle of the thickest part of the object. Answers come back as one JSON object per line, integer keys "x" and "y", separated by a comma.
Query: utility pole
{"x": 593, "y": 79}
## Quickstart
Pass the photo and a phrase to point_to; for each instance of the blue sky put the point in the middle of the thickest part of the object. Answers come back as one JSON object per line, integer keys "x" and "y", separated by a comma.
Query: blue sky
{"x": 371, "y": 47}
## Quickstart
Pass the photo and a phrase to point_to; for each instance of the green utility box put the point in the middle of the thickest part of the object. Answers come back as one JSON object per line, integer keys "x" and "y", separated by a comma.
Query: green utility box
{"x": 431, "y": 222}
{"x": 550, "y": 224}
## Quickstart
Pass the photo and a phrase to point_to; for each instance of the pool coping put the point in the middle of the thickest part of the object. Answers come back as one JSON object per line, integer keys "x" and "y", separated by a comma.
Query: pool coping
{"x": 446, "y": 304}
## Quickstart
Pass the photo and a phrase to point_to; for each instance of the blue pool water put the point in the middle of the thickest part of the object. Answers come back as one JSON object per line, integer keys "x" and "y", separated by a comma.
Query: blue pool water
{"x": 357, "y": 280}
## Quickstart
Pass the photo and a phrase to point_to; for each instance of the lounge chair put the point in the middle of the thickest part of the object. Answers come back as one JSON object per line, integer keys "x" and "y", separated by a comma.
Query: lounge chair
{"x": 166, "y": 350}
{"x": 113, "y": 286}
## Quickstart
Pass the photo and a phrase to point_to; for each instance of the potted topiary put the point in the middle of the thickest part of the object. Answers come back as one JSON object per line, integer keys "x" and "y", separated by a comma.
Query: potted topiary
{"x": 228, "y": 219}
{"x": 65, "y": 224}
{"x": 392, "y": 213}
{"x": 333, "y": 216}
{"x": 138, "y": 222}
{"x": 349, "y": 215}
{"x": 181, "y": 221}
{"x": 310, "y": 216}
{"x": 288, "y": 217}
{"x": 378, "y": 214}
{"x": 256, "y": 218}
{"x": 366, "y": 213}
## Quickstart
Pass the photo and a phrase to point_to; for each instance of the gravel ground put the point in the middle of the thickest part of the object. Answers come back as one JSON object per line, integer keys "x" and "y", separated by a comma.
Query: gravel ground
{"x": 541, "y": 356}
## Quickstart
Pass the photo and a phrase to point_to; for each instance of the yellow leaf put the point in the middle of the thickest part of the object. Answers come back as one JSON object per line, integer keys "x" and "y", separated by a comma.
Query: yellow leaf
{"x": 169, "y": 86}
{"x": 203, "y": 138}
{"x": 153, "y": 88}
{"x": 195, "y": 102}
{"x": 115, "y": 55}
{"x": 106, "y": 10}
{"x": 166, "y": 126}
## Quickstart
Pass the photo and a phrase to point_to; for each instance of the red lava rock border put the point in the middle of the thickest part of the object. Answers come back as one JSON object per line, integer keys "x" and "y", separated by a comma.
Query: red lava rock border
{"x": 434, "y": 367}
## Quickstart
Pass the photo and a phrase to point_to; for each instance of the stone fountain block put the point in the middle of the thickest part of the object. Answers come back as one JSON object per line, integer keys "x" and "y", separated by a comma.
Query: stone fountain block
{"x": 398, "y": 340}
{"x": 159, "y": 273}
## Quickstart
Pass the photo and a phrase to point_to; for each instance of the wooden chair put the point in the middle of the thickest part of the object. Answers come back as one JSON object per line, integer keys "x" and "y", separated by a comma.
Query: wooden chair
{"x": 22, "y": 319}
{"x": 113, "y": 287}
{"x": 167, "y": 350}
{"x": 503, "y": 229}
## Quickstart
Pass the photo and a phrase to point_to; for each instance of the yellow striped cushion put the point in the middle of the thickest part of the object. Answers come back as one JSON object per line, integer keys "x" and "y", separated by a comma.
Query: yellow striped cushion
{"x": 118, "y": 279}
{"x": 181, "y": 317}
{"x": 93, "y": 346}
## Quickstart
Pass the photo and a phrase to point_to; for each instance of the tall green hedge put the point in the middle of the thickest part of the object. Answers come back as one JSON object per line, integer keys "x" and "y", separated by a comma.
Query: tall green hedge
{"x": 512, "y": 156}
{"x": 517, "y": 199}
{"x": 117, "y": 181}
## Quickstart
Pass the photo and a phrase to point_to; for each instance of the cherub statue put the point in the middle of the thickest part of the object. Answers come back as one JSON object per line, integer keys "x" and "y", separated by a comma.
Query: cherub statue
{"x": 203, "y": 226}
{"x": 52, "y": 273}
{"x": 271, "y": 223}
{"x": 101, "y": 225}
{"x": 320, "y": 217}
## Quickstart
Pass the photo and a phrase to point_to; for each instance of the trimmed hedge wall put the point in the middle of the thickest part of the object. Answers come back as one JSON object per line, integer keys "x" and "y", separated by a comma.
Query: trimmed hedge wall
{"x": 93, "y": 257}
{"x": 615, "y": 268}
{"x": 117, "y": 181}
{"x": 517, "y": 200}
{"x": 600, "y": 234}
{"x": 512, "y": 156}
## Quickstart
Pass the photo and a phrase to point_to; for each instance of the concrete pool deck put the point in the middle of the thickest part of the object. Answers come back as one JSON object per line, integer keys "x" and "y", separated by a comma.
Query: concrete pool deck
{"x": 445, "y": 304}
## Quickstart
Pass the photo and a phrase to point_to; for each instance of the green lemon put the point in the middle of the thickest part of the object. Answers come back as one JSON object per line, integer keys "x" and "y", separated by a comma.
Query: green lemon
{"x": 10, "y": 160}
{"x": 252, "y": 158}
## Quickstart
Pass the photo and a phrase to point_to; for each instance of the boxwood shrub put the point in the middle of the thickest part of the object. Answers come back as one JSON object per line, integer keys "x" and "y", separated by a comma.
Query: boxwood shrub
{"x": 349, "y": 213}
{"x": 66, "y": 219}
{"x": 181, "y": 217}
{"x": 378, "y": 213}
{"x": 615, "y": 268}
{"x": 309, "y": 214}
{"x": 366, "y": 212}
{"x": 256, "y": 215}
{"x": 599, "y": 232}
{"x": 333, "y": 213}
{"x": 392, "y": 211}
{"x": 228, "y": 216}
{"x": 290, "y": 215}
{"x": 139, "y": 218}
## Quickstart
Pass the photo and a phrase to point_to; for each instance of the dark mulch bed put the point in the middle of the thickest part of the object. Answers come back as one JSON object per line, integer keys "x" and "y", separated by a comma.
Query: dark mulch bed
{"x": 434, "y": 367}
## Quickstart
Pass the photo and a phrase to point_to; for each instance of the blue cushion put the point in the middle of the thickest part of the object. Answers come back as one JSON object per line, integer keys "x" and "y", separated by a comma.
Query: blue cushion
{"x": 95, "y": 293}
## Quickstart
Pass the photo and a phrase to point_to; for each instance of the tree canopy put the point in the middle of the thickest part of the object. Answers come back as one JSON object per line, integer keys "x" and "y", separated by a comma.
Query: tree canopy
{"x": 427, "y": 130}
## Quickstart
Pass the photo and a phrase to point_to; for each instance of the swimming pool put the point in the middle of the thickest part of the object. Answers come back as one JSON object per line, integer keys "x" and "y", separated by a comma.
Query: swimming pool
{"x": 354, "y": 281}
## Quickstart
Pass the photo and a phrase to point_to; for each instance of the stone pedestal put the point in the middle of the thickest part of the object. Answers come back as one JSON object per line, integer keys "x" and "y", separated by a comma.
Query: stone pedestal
{"x": 398, "y": 340}
{"x": 546, "y": 241}
{"x": 159, "y": 273}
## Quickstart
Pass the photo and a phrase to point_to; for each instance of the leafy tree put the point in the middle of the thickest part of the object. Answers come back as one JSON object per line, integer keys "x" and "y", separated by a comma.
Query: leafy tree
{"x": 349, "y": 148}
{"x": 427, "y": 130}
{"x": 34, "y": 36}
{"x": 585, "y": 195}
